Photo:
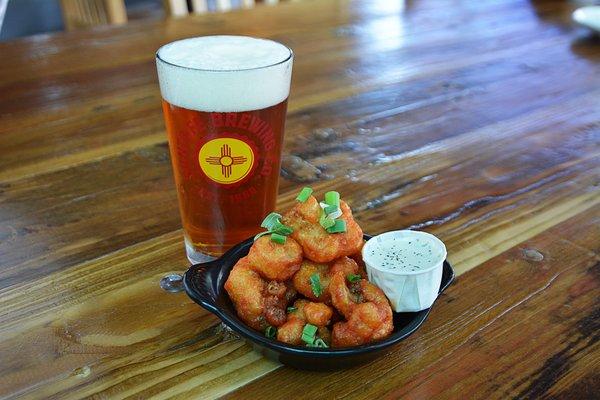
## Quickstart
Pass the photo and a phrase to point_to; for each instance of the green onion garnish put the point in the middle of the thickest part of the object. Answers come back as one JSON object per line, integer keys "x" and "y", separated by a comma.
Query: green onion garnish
{"x": 330, "y": 209}
{"x": 309, "y": 329}
{"x": 274, "y": 227}
{"x": 308, "y": 333}
{"x": 270, "y": 332}
{"x": 277, "y": 238}
{"x": 353, "y": 278}
{"x": 291, "y": 309}
{"x": 308, "y": 339}
{"x": 261, "y": 235}
{"x": 270, "y": 220}
{"x": 315, "y": 285}
{"x": 317, "y": 343}
{"x": 281, "y": 229}
{"x": 338, "y": 227}
{"x": 325, "y": 221}
{"x": 304, "y": 194}
{"x": 332, "y": 198}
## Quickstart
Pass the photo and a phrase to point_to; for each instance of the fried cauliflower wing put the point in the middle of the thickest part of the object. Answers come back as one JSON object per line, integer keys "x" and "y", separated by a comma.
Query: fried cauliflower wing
{"x": 367, "y": 311}
{"x": 258, "y": 302}
{"x": 319, "y": 245}
{"x": 291, "y": 331}
{"x": 302, "y": 282}
{"x": 275, "y": 261}
{"x": 348, "y": 311}
{"x": 318, "y": 314}
{"x": 245, "y": 288}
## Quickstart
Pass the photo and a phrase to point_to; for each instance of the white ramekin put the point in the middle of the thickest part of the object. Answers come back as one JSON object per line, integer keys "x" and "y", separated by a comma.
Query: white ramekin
{"x": 407, "y": 290}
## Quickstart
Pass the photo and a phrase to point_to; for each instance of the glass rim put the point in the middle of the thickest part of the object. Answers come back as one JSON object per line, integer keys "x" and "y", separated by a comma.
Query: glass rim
{"x": 289, "y": 57}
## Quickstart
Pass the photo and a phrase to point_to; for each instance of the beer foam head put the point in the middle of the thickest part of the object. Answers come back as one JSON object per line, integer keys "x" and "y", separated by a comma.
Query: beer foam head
{"x": 224, "y": 73}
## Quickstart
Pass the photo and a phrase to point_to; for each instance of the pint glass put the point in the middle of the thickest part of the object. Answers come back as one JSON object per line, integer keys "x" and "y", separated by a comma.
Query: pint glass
{"x": 224, "y": 104}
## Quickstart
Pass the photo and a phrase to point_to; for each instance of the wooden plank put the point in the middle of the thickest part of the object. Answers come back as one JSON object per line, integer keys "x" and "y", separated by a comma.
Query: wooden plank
{"x": 55, "y": 211}
{"x": 88, "y": 50}
{"x": 133, "y": 88}
{"x": 551, "y": 201}
{"x": 154, "y": 344}
{"x": 57, "y": 216}
{"x": 141, "y": 124}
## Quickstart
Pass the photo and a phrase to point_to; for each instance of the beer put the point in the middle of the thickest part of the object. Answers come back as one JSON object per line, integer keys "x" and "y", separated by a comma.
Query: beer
{"x": 224, "y": 103}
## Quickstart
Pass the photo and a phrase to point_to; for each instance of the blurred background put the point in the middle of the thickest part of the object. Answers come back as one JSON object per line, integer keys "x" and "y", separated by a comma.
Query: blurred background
{"x": 20, "y": 18}
{"x": 28, "y": 17}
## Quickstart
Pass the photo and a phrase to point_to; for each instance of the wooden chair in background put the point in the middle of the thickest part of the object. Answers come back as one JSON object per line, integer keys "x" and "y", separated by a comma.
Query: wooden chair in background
{"x": 86, "y": 13}
{"x": 179, "y": 8}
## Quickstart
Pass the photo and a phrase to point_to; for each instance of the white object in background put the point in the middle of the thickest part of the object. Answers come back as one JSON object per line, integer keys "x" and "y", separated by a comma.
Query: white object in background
{"x": 223, "y": 5}
{"x": 588, "y": 17}
{"x": 407, "y": 266}
{"x": 3, "y": 6}
{"x": 176, "y": 8}
{"x": 199, "y": 6}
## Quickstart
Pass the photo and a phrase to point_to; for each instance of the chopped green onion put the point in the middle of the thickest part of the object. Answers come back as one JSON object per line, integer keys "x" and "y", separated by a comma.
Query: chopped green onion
{"x": 338, "y": 227}
{"x": 291, "y": 309}
{"x": 315, "y": 284}
{"x": 274, "y": 227}
{"x": 270, "y": 332}
{"x": 325, "y": 221}
{"x": 336, "y": 214}
{"x": 310, "y": 329}
{"x": 304, "y": 194}
{"x": 330, "y": 209}
{"x": 353, "y": 278}
{"x": 270, "y": 220}
{"x": 308, "y": 339}
{"x": 332, "y": 198}
{"x": 261, "y": 235}
{"x": 277, "y": 238}
{"x": 281, "y": 229}
{"x": 308, "y": 333}
{"x": 318, "y": 343}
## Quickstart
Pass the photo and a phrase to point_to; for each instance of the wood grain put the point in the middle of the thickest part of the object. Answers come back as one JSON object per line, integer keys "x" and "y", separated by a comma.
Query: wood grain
{"x": 477, "y": 121}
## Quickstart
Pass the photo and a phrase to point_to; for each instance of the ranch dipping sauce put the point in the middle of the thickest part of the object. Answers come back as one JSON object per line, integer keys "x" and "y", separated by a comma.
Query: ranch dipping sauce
{"x": 405, "y": 253}
{"x": 407, "y": 266}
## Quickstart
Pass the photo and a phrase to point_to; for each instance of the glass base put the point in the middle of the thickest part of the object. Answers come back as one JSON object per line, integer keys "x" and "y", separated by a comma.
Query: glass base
{"x": 195, "y": 256}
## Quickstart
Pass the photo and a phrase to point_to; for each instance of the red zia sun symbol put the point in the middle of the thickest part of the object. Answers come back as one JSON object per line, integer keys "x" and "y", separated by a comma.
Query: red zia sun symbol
{"x": 226, "y": 160}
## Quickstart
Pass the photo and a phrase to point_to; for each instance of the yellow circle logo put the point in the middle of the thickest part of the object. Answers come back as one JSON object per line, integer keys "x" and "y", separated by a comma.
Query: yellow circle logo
{"x": 226, "y": 160}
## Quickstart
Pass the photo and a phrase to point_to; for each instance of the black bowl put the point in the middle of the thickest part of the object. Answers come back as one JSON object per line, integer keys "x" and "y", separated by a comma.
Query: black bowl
{"x": 204, "y": 284}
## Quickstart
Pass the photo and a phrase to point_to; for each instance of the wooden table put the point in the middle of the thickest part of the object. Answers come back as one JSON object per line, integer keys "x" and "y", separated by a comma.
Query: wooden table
{"x": 477, "y": 121}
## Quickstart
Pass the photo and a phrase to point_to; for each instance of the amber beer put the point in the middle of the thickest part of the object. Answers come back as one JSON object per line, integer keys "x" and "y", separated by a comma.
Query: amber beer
{"x": 224, "y": 103}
